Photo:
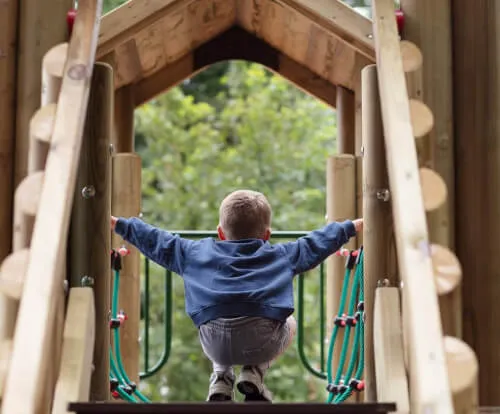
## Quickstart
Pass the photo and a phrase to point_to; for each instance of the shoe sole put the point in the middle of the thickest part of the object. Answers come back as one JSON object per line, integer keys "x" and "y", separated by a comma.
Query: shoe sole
{"x": 251, "y": 391}
{"x": 219, "y": 398}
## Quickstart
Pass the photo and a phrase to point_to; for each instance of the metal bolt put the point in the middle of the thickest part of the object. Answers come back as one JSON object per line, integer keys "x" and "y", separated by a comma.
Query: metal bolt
{"x": 111, "y": 149}
{"x": 87, "y": 281}
{"x": 384, "y": 195}
{"x": 383, "y": 283}
{"x": 88, "y": 191}
{"x": 65, "y": 286}
{"x": 362, "y": 150}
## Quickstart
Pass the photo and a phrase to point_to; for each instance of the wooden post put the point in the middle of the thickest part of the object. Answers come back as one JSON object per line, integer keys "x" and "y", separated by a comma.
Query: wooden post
{"x": 345, "y": 121}
{"x": 463, "y": 373}
{"x": 42, "y": 25}
{"x": 8, "y": 32}
{"x": 392, "y": 384}
{"x": 126, "y": 202}
{"x": 476, "y": 28}
{"x": 341, "y": 205}
{"x": 89, "y": 250}
{"x": 428, "y": 25}
{"x": 380, "y": 256}
{"x": 123, "y": 134}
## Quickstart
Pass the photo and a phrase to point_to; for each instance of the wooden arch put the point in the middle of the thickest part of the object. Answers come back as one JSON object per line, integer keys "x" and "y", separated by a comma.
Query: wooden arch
{"x": 316, "y": 44}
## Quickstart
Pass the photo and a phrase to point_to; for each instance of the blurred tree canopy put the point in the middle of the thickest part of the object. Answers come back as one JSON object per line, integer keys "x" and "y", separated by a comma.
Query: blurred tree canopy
{"x": 235, "y": 125}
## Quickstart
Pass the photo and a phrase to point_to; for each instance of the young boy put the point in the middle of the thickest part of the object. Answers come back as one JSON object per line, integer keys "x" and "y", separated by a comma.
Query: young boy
{"x": 239, "y": 289}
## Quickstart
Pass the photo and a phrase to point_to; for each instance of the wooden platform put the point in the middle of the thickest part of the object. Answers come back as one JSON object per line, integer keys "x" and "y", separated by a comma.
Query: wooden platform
{"x": 225, "y": 408}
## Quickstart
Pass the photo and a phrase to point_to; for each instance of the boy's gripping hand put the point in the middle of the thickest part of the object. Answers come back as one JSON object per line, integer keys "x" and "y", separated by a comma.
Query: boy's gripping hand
{"x": 113, "y": 223}
{"x": 358, "y": 225}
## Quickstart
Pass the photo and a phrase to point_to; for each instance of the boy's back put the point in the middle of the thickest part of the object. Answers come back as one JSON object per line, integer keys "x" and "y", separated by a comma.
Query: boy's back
{"x": 239, "y": 290}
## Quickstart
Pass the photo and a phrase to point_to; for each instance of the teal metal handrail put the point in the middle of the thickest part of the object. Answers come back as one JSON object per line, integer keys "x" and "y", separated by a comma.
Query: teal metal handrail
{"x": 168, "y": 300}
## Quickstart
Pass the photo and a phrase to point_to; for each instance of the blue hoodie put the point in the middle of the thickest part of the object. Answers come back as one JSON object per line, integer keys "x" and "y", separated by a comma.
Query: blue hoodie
{"x": 224, "y": 279}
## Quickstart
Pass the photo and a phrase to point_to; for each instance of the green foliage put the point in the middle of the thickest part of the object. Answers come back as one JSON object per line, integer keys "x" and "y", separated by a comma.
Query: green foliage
{"x": 258, "y": 132}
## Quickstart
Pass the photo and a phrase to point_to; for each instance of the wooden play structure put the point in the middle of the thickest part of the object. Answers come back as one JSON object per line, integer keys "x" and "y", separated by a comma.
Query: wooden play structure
{"x": 417, "y": 156}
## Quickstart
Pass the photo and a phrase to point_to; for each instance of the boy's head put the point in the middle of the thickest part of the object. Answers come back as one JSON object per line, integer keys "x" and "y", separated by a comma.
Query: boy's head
{"x": 244, "y": 214}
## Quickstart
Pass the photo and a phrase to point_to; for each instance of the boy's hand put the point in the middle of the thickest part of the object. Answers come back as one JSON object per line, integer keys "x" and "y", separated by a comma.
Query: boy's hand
{"x": 113, "y": 223}
{"x": 358, "y": 225}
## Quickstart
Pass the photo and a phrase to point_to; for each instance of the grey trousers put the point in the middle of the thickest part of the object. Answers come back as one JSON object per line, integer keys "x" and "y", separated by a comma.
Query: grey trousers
{"x": 244, "y": 340}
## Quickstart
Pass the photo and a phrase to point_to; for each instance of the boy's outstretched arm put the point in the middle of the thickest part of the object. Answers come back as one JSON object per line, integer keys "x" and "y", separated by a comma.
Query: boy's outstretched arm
{"x": 163, "y": 247}
{"x": 309, "y": 251}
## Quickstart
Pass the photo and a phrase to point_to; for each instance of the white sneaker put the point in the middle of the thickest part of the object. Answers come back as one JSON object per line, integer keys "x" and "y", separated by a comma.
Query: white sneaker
{"x": 221, "y": 387}
{"x": 251, "y": 385}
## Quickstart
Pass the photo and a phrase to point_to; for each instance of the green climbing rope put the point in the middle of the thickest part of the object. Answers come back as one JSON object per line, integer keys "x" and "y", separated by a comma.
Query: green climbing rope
{"x": 117, "y": 369}
{"x": 357, "y": 351}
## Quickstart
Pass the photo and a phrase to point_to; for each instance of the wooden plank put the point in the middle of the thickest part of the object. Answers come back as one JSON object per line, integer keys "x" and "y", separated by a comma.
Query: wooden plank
{"x": 73, "y": 383}
{"x": 392, "y": 384}
{"x": 428, "y": 24}
{"x": 32, "y": 341}
{"x": 5, "y": 354}
{"x": 89, "y": 250}
{"x": 428, "y": 375}
{"x": 8, "y": 27}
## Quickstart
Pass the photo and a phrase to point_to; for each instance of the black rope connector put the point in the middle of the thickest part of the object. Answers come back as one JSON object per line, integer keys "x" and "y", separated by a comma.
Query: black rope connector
{"x": 351, "y": 260}
{"x": 342, "y": 388}
{"x": 332, "y": 389}
{"x": 357, "y": 385}
{"x": 115, "y": 323}
{"x": 113, "y": 384}
{"x": 133, "y": 386}
{"x": 339, "y": 321}
{"x": 127, "y": 388}
{"x": 357, "y": 316}
{"x": 116, "y": 260}
{"x": 351, "y": 321}
{"x": 361, "y": 306}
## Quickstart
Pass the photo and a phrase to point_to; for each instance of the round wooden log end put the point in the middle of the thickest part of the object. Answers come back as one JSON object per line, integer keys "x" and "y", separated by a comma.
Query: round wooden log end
{"x": 411, "y": 55}
{"x": 12, "y": 273}
{"x": 422, "y": 119}
{"x": 447, "y": 269}
{"x": 54, "y": 60}
{"x": 28, "y": 193}
{"x": 434, "y": 190}
{"x": 42, "y": 123}
{"x": 462, "y": 365}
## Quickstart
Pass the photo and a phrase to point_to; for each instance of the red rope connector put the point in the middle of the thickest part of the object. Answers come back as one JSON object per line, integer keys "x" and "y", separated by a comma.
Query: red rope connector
{"x": 123, "y": 251}
{"x": 400, "y": 21}
{"x": 70, "y": 20}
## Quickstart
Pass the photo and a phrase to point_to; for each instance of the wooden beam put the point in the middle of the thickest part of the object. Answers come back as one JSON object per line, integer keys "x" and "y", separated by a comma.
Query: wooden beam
{"x": 428, "y": 374}
{"x": 32, "y": 341}
{"x": 346, "y": 107}
{"x": 73, "y": 383}
{"x": 125, "y": 21}
{"x": 233, "y": 44}
{"x": 339, "y": 19}
{"x": 476, "y": 89}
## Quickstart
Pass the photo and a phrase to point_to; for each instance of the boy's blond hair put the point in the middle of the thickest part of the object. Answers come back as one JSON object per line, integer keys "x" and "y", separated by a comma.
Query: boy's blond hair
{"x": 245, "y": 214}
